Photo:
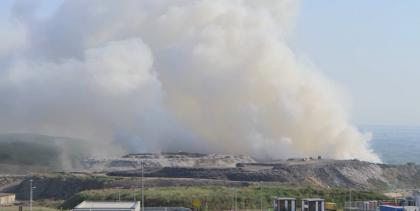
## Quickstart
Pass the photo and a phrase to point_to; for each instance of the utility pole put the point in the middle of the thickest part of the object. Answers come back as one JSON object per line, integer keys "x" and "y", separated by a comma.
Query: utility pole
{"x": 233, "y": 200}
{"x": 396, "y": 204}
{"x": 261, "y": 196}
{"x": 236, "y": 200}
{"x": 142, "y": 186}
{"x": 135, "y": 168}
{"x": 30, "y": 195}
{"x": 351, "y": 204}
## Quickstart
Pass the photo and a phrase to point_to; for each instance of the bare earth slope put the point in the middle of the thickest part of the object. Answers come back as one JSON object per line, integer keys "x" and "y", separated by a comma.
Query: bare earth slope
{"x": 192, "y": 169}
{"x": 321, "y": 173}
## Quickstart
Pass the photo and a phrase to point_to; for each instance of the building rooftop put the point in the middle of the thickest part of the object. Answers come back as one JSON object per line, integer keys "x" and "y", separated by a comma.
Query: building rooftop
{"x": 313, "y": 199}
{"x": 285, "y": 198}
{"x": 106, "y": 205}
{"x": 6, "y": 194}
{"x": 391, "y": 206}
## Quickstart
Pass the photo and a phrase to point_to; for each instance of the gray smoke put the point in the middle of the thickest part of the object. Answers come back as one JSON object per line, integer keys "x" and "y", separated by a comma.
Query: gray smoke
{"x": 203, "y": 75}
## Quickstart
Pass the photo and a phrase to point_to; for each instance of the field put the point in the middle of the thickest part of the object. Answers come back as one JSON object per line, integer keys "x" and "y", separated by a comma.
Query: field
{"x": 219, "y": 198}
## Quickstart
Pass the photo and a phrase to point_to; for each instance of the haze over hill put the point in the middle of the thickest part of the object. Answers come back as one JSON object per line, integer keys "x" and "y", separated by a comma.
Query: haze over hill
{"x": 23, "y": 153}
{"x": 394, "y": 144}
{"x": 46, "y": 154}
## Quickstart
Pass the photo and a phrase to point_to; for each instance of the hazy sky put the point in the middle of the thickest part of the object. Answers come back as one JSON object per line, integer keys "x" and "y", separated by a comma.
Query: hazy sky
{"x": 370, "y": 48}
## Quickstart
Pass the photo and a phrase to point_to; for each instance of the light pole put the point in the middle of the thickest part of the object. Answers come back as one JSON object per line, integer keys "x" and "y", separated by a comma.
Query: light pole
{"x": 261, "y": 196}
{"x": 30, "y": 194}
{"x": 236, "y": 200}
{"x": 233, "y": 200}
{"x": 142, "y": 186}
{"x": 351, "y": 205}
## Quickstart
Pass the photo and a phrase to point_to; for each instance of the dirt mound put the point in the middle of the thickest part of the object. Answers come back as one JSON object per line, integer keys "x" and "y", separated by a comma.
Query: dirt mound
{"x": 161, "y": 160}
{"x": 320, "y": 173}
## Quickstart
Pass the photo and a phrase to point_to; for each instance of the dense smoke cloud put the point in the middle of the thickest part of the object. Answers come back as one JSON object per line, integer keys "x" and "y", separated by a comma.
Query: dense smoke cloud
{"x": 214, "y": 76}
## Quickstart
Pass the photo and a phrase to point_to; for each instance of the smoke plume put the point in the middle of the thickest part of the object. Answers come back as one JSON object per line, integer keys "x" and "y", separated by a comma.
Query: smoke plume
{"x": 203, "y": 75}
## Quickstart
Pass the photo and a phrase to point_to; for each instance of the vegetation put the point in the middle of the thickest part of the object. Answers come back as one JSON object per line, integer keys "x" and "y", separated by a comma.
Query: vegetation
{"x": 218, "y": 198}
{"x": 26, "y": 208}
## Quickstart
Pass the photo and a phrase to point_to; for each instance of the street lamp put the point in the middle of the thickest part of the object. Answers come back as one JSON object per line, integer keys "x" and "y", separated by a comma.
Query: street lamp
{"x": 31, "y": 188}
{"x": 142, "y": 185}
{"x": 261, "y": 196}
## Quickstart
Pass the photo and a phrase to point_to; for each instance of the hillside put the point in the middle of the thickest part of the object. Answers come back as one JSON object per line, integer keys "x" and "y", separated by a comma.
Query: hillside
{"x": 181, "y": 172}
{"x": 192, "y": 169}
{"x": 205, "y": 173}
{"x": 320, "y": 173}
{"x": 24, "y": 153}
{"x": 74, "y": 188}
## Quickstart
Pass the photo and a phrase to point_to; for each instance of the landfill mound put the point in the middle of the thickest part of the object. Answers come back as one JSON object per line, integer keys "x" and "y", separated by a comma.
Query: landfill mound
{"x": 168, "y": 169}
{"x": 321, "y": 173}
{"x": 168, "y": 159}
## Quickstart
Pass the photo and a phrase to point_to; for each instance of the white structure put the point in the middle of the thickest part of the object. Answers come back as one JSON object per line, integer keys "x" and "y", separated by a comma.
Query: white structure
{"x": 313, "y": 204}
{"x": 411, "y": 208}
{"x": 107, "y": 206}
{"x": 284, "y": 204}
{"x": 7, "y": 199}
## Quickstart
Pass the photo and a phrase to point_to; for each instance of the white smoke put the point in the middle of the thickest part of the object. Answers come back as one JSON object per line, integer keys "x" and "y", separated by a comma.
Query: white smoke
{"x": 204, "y": 75}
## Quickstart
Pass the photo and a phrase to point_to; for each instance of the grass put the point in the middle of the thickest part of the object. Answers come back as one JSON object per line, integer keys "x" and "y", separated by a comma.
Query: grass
{"x": 219, "y": 198}
{"x": 26, "y": 208}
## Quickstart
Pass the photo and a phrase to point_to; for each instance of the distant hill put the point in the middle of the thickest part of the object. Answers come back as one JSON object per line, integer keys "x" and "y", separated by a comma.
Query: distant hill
{"x": 23, "y": 153}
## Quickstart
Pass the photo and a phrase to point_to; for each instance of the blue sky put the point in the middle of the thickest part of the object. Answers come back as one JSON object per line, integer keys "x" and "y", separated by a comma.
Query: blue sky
{"x": 44, "y": 7}
{"x": 370, "y": 48}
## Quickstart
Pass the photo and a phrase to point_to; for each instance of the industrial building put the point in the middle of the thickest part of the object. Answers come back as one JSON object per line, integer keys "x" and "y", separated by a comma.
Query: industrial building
{"x": 361, "y": 206}
{"x": 313, "y": 204}
{"x": 330, "y": 206}
{"x": 7, "y": 199}
{"x": 408, "y": 204}
{"x": 408, "y": 201}
{"x": 284, "y": 204}
{"x": 107, "y": 206}
{"x": 391, "y": 208}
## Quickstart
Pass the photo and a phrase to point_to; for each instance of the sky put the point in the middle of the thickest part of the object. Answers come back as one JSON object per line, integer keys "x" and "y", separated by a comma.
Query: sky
{"x": 45, "y": 7}
{"x": 369, "y": 48}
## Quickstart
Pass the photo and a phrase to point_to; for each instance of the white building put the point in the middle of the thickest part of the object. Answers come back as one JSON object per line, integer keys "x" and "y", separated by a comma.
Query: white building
{"x": 313, "y": 204}
{"x": 7, "y": 199}
{"x": 284, "y": 204}
{"x": 107, "y": 206}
